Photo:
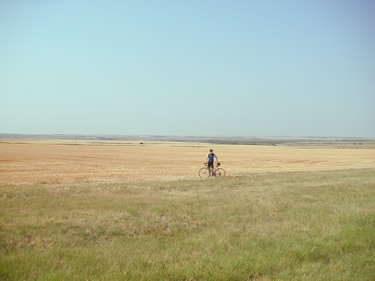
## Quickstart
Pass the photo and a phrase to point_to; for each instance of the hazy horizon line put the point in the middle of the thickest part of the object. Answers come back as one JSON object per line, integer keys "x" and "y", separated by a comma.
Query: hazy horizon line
{"x": 124, "y": 136}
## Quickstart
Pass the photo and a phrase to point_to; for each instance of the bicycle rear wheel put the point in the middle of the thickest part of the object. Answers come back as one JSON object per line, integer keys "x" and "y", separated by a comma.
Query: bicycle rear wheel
{"x": 203, "y": 172}
{"x": 220, "y": 172}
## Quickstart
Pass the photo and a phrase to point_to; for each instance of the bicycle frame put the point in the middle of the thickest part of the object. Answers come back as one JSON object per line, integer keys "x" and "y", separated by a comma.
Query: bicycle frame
{"x": 216, "y": 171}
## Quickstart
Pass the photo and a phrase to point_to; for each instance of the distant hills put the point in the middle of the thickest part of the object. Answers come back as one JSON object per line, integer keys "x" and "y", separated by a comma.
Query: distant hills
{"x": 201, "y": 139}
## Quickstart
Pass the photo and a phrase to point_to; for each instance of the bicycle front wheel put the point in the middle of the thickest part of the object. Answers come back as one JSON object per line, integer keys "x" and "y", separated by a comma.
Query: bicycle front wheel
{"x": 203, "y": 172}
{"x": 220, "y": 172}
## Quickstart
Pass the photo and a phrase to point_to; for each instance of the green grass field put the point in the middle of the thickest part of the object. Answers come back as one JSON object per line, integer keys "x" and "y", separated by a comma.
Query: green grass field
{"x": 273, "y": 226}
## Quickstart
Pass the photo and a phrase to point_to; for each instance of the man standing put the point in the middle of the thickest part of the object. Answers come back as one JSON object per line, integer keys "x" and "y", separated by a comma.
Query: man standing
{"x": 211, "y": 156}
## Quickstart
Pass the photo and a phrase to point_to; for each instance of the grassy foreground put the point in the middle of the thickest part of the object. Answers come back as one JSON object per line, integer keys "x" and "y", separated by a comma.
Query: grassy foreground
{"x": 277, "y": 226}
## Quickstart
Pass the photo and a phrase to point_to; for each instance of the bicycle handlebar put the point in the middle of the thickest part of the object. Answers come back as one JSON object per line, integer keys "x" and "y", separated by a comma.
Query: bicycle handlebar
{"x": 216, "y": 164}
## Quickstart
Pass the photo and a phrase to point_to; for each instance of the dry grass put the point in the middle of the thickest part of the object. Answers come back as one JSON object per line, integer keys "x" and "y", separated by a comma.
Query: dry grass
{"x": 64, "y": 161}
{"x": 271, "y": 226}
{"x": 126, "y": 211}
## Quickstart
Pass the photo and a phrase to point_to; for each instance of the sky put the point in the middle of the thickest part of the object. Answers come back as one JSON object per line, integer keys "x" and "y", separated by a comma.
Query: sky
{"x": 188, "y": 68}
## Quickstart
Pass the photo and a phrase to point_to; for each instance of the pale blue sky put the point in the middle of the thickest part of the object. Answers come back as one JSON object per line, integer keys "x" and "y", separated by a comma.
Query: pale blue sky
{"x": 194, "y": 67}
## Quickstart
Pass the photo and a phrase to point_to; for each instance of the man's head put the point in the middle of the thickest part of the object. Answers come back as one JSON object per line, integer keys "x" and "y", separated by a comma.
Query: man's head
{"x": 211, "y": 150}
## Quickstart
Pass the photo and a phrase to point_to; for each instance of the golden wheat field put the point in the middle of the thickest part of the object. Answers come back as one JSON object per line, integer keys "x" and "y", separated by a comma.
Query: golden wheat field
{"x": 103, "y": 161}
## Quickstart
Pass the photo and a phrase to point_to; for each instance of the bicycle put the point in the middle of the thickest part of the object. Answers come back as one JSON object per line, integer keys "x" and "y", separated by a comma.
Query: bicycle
{"x": 204, "y": 172}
